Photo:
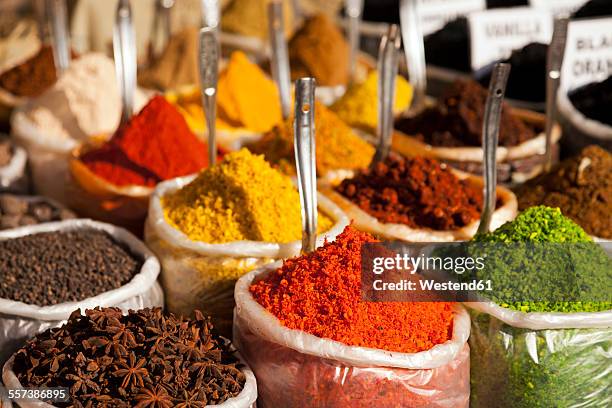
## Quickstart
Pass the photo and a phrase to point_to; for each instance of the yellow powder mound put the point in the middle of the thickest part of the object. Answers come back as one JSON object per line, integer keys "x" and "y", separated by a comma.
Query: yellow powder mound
{"x": 250, "y": 17}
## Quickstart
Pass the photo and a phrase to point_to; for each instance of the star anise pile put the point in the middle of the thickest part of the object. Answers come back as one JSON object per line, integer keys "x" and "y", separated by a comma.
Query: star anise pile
{"x": 144, "y": 359}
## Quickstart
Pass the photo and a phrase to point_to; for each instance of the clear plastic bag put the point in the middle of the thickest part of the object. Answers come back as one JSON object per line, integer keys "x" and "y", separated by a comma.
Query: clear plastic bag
{"x": 13, "y": 176}
{"x": 199, "y": 275}
{"x": 20, "y": 321}
{"x": 297, "y": 369}
{"x": 540, "y": 359}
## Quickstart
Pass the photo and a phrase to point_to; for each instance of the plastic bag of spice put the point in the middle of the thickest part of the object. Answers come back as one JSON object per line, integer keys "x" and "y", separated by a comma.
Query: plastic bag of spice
{"x": 199, "y": 275}
{"x": 506, "y": 210}
{"x": 540, "y": 359}
{"x": 20, "y": 321}
{"x": 298, "y": 369}
{"x": 13, "y": 175}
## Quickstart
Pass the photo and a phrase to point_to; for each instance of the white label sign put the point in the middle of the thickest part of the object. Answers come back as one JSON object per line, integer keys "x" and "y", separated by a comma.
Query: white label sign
{"x": 435, "y": 13}
{"x": 494, "y": 34}
{"x": 558, "y": 7}
{"x": 588, "y": 52}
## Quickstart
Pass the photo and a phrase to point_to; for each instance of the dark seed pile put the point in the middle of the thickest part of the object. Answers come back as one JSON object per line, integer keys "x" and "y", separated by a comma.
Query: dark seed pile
{"x": 15, "y": 212}
{"x": 54, "y": 267}
{"x": 144, "y": 359}
{"x": 594, "y": 100}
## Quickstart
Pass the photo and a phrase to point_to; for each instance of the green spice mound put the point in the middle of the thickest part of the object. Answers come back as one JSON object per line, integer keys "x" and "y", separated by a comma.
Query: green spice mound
{"x": 549, "y": 257}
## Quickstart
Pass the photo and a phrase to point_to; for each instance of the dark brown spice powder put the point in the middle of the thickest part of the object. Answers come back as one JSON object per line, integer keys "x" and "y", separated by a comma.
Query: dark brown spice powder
{"x": 32, "y": 77}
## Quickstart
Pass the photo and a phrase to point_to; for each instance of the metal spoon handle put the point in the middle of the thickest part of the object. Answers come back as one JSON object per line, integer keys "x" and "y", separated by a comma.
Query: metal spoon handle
{"x": 354, "y": 11}
{"x": 490, "y": 134}
{"x": 209, "y": 72}
{"x": 304, "y": 141}
{"x": 124, "y": 50}
{"x": 59, "y": 30}
{"x": 387, "y": 72}
{"x": 554, "y": 60}
{"x": 414, "y": 50}
{"x": 280, "y": 58}
{"x": 210, "y": 13}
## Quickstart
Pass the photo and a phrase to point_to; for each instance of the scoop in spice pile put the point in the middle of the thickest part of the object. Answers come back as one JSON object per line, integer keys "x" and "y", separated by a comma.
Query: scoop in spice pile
{"x": 417, "y": 192}
{"x": 18, "y": 211}
{"x": 155, "y": 145}
{"x": 144, "y": 359}
{"x": 320, "y": 293}
{"x": 338, "y": 146}
{"x": 457, "y": 117}
{"x": 580, "y": 186}
{"x": 240, "y": 198}
{"x": 48, "y": 268}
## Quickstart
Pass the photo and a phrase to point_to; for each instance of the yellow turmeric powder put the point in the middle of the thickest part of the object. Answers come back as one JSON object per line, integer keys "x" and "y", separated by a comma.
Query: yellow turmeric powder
{"x": 250, "y": 17}
{"x": 240, "y": 198}
{"x": 359, "y": 105}
{"x": 337, "y": 145}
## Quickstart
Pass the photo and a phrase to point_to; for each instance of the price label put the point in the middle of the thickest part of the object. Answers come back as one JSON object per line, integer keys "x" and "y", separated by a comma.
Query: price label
{"x": 588, "y": 52}
{"x": 494, "y": 34}
{"x": 558, "y": 7}
{"x": 435, "y": 13}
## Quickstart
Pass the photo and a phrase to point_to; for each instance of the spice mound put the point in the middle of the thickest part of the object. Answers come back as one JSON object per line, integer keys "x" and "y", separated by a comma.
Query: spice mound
{"x": 18, "y": 211}
{"x": 580, "y": 186}
{"x": 177, "y": 65}
{"x": 240, "y": 198}
{"x": 338, "y": 147}
{"x": 457, "y": 117}
{"x": 320, "y": 293}
{"x": 32, "y": 77}
{"x": 48, "y": 268}
{"x": 144, "y": 359}
{"x": 582, "y": 268}
{"x": 449, "y": 47}
{"x": 358, "y": 106}
{"x": 250, "y": 17}
{"x": 594, "y": 100}
{"x": 6, "y": 151}
{"x": 417, "y": 192}
{"x": 154, "y": 145}
{"x": 318, "y": 49}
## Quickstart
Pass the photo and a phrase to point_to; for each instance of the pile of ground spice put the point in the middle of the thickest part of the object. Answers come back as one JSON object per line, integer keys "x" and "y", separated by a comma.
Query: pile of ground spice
{"x": 417, "y": 192}
{"x": 358, "y": 106}
{"x": 32, "y": 77}
{"x": 594, "y": 100}
{"x": 240, "y": 198}
{"x": 6, "y": 150}
{"x": 318, "y": 49}
{"x": 246, "y": 96}
{"x": 338, "y": 146}
{"x": 580, "y": 186}
{"x": 250, "y": 17}
{"x": 320, "y": 293}
{"x": 457, "y": 117}
{"x": 155, "y": 145}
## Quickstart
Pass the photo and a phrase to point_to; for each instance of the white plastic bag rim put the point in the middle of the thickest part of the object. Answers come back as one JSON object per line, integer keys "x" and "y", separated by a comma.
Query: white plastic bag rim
{"x": 545, "y": 320}
{"x": 237, "y": 248}
{"x": 584, "y": 124}
{"x": 246, "y": 398}
{"x": 264, "y": 324}
{"x": 15, "y": 168}
{"x": 139, "y": 284}
{"x": 27, "y": 133}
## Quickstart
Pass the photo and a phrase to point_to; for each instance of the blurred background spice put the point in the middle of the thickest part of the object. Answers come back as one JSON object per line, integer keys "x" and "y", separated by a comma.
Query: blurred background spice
{"x": 32, "y": 77}
{"x": 250, "y": 17}
{"x": 6, "y": 150}
{"x": 17, "y": 211}
{"x": 48, "y": 268}
{"x": 594, "y": 100}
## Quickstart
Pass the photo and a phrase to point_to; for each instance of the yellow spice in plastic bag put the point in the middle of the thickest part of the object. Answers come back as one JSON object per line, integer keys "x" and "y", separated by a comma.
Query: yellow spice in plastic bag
{"x": 241, "y": 198}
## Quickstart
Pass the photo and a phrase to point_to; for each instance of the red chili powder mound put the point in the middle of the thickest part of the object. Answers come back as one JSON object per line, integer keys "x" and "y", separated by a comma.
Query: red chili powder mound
{"x": 320, "y": 293}
{"x": 417, "y": 192}
{"x": 155, "y": 145}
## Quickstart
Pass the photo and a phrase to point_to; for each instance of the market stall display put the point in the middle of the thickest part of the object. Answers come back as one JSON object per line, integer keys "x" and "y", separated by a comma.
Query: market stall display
{"x": 301, "y": 323}
{"x": 145, "y": 358}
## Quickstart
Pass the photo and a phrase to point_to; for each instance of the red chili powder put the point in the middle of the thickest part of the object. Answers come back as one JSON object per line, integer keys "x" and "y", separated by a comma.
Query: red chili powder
{"x": 415, "y": 191}
{"x": 320, "y": 293}
{"x": 155, "y": 145}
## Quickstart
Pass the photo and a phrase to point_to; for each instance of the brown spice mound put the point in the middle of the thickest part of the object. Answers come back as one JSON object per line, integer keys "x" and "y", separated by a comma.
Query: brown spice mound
{"x": 6, "y": 151}
{"x": 33, "y": 77}
{"x": 580, "y": 186}
{"x": 319, "y": 50}
{"x": 417, "y": 192}
{"x": 457, "y": 117}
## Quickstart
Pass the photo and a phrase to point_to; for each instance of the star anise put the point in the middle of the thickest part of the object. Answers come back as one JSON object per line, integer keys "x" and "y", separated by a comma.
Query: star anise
{"x": 82, "y": 382}
{"x": 132, "y": 372}
{"x": 123, "y": 335}
{"x": 194, "y": 399}
{"x": 157, "y": 397}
